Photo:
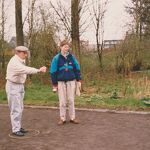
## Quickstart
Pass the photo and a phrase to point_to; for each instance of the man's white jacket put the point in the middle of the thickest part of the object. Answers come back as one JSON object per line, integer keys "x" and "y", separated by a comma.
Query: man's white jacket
{"x": 17, "y": 71}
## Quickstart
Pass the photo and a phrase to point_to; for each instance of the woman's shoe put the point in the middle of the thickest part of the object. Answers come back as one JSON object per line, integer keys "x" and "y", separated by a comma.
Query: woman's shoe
{"x": 74, "y": 121}
{"x": 61, "y": 122}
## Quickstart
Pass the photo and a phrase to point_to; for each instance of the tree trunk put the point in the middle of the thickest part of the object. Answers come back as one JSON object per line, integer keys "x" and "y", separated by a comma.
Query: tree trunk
{"x": 31, "y": 19}
{"x": 2, "y": 36}
{"x": 75, "y": 35}
{"x": 98, "y": 44}
{"x": 19, "y": 25}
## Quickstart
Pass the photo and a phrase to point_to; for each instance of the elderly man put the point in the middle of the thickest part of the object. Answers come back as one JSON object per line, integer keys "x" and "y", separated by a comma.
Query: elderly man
{"x": 16, "y": 75}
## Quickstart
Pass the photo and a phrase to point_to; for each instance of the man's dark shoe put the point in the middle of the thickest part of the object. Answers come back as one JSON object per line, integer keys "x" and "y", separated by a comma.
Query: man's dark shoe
{"x": 23, "y": 130}
{"x": 74, "y": 121}
{"x": 18, "y": 133}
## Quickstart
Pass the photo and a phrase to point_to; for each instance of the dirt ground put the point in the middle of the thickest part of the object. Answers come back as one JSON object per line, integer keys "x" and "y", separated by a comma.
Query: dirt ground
{"x": 97, "y": 131}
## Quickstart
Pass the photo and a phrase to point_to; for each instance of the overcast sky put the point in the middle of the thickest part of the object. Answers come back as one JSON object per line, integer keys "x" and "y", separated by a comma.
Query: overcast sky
{"x": 116, "y": 19}
{"x": 115, "y": 22}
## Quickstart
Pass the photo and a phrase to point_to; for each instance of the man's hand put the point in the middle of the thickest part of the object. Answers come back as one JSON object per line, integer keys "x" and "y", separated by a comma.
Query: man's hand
{"x": 42, "y": 69}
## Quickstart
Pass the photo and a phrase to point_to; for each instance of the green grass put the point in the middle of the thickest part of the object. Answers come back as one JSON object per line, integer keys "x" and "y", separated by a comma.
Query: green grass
{"x": 41, "y": 95}
{"x": 3, "y": 98}
{"x": 38, "y": 94}
{"x": 97, "y": 101}
{"x": 35, "y": 94}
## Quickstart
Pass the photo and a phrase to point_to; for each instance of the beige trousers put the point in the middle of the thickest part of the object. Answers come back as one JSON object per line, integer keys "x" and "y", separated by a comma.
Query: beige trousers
{"x": 66, "y": 94}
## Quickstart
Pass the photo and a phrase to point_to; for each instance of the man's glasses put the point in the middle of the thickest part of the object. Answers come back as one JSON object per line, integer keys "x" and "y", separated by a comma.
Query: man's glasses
{"x": 23, "y": 52}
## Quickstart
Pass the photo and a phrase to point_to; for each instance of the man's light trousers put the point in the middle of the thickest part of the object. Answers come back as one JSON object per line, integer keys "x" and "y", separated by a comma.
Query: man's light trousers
{"x": 15, "y": 94}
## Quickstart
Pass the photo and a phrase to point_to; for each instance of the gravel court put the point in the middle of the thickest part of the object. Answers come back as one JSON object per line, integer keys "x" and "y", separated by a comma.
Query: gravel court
{"x": 97, "y": 131}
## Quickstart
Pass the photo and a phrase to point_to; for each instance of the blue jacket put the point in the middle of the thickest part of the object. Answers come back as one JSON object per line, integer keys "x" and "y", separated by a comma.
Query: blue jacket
{"x": 64, "y": 69}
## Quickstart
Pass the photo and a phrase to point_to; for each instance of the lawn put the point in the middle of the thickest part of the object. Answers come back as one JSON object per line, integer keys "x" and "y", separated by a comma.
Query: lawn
{"x": 38, "y": 94}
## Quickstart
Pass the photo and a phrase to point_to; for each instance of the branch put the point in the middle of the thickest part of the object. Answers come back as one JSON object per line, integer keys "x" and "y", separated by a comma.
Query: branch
{"x": 61, "y": 16}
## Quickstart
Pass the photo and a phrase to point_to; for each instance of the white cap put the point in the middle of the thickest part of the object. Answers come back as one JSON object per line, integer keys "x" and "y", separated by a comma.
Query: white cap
{"x": 21, "y": 48}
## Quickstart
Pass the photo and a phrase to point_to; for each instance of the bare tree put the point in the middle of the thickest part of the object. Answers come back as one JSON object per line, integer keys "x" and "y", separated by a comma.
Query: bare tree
{"x": 19, "y": 25}
{"x": 30, "y": 20}
{"x": 63, "y": 15}
{"x": 97, "y": 13}
{"x": 74, "y": 22}
{"x": 40, "y": 34}
{"x": 136, "y": 10}
{"x": 85, "y": 20}
{"x": 75, "y": 35}
{"x": 78, "y": 8}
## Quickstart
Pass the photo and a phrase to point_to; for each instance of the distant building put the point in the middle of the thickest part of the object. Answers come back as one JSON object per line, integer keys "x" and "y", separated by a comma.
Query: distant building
{"x": 87, "y": 47}
{"x": 111, "y": 43}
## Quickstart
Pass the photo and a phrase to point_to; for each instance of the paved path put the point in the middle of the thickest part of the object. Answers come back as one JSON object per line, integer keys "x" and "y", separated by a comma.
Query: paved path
{"x": 97, "y": 131}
